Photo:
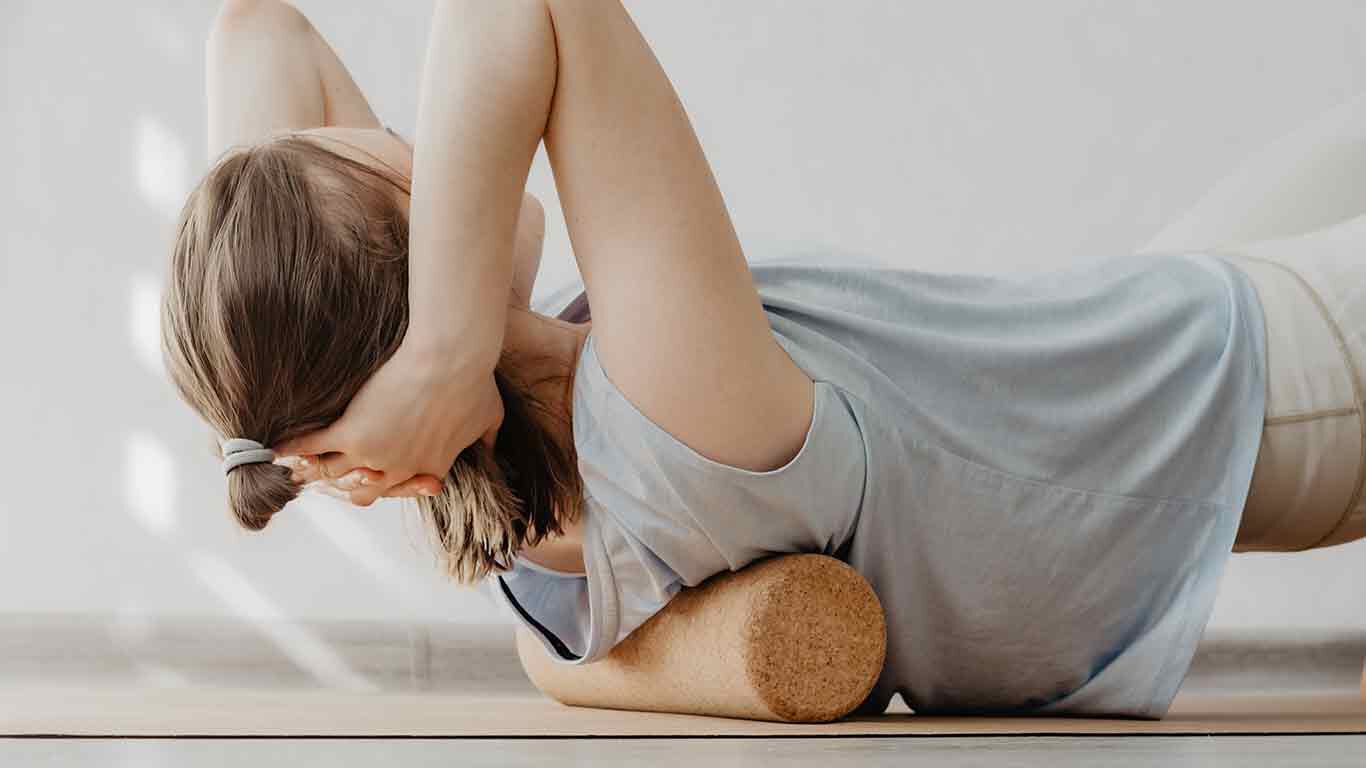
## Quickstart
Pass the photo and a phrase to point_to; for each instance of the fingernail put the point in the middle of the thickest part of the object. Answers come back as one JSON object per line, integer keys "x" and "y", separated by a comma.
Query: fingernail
{"x": 364, "y": 479}
{"x": 426, "y": 492}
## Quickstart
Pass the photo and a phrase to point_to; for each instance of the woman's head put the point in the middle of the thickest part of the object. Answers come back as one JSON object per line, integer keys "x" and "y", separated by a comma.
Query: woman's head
{"x": 288, "y": 288}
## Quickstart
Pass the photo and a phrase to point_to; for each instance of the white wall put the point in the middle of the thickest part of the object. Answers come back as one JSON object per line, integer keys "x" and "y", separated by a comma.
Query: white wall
{"x": 966, "y": 136}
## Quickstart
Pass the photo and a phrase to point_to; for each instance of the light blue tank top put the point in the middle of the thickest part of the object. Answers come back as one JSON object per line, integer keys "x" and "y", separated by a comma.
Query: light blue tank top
{"x": 1040, "y": 476}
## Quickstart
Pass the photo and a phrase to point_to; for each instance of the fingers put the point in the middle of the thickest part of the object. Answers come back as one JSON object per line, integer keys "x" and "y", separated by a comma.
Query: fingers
{"x": 367, "y": 492}
{"x": 333, "y": 466}
{"x": 329, "y": 468}
{"x": 365, "y": 495}
{"x": 319, "y": 441}
{"x": 362, "y": 486}
{"x": 327, "y": 489}
{"x": 419, "y": 485}
{"x": 304, "y": 469}
{"x": 321, "y": 451}
{"x": 340, "y": 488}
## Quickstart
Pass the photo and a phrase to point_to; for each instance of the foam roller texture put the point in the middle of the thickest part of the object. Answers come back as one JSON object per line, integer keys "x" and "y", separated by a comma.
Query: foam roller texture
{"x": 794, "y": 638}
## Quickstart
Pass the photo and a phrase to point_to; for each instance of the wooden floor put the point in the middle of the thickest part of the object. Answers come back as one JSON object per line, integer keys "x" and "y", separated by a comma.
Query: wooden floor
{"x": 136, "y": 712}
{"x": 199, "y": 670}
{"x": 216, "y": 715}
{"x": 1112, "y": 752}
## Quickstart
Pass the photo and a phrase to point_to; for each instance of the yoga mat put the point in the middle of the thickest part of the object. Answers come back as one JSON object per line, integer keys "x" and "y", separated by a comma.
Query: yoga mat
{"x": 130, "y": 711}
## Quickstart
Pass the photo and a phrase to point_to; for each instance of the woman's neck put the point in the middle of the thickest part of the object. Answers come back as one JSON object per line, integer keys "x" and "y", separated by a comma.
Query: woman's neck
{"x": 547, "y": 349}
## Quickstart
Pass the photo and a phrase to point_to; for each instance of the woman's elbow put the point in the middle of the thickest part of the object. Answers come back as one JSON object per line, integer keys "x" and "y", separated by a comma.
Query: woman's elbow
{"x": 257, "y": 17}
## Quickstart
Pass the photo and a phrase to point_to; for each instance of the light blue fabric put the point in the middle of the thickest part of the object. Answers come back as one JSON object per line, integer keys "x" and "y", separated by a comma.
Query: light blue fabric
{"x": 1041, "y": 477}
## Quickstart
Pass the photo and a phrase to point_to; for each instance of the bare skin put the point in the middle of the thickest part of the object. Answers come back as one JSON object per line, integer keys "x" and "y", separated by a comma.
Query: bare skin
{"x": 262, "y": 39}
{"x": 554, "y": 345}
{"x": 679, "y": 325}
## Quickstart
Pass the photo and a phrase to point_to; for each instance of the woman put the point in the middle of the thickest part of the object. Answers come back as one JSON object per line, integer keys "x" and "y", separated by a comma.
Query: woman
{"x": 1042, "y": 477}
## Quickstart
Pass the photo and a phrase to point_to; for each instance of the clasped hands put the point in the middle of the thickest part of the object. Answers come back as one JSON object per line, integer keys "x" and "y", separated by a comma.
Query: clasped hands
{"x": 400, "y": 434}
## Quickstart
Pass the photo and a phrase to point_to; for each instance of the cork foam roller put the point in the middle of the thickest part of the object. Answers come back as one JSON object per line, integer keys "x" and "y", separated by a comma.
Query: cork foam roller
{"x": 794, "y": 638}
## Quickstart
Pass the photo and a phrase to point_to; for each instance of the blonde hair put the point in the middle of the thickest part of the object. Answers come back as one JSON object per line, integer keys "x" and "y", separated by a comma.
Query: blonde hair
{"x": 288, "y": 288}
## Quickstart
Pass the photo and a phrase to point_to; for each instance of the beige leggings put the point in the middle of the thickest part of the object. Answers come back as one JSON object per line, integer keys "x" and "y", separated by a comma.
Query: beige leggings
{"x": 1293, "y": 217}
{"x": 1307, "y": 484}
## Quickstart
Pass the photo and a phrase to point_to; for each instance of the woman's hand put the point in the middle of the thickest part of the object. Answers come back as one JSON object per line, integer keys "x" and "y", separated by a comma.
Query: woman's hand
{"x": 485, "y": 94}
{"x": 412, "y": 417}
{"x": 358, "y": 481}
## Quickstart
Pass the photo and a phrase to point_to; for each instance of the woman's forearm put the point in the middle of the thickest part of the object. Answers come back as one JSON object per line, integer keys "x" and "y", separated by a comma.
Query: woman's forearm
{"x": 486, "y": 88}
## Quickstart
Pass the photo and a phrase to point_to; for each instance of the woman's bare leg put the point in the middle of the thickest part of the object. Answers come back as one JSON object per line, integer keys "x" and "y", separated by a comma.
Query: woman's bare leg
{"x": 1309, "y": 179}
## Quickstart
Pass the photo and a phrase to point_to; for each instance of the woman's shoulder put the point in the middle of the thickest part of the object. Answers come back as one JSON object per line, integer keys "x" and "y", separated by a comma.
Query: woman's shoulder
{"x": 700, "y": 514}
{"x": 579, "y": 617}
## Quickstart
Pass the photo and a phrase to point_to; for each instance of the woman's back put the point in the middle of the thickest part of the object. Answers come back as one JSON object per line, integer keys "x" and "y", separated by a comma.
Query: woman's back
{"x": 1040, "y": 476}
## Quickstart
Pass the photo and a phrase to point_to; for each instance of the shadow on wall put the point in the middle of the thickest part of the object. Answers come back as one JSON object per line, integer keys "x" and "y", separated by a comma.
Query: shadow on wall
{"x": 150, "y": 470}
{"x": 105, "y": 122}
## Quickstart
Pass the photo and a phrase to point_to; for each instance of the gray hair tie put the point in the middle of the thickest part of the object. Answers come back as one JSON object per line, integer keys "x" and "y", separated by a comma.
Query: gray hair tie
{"x": 239, "y": 451}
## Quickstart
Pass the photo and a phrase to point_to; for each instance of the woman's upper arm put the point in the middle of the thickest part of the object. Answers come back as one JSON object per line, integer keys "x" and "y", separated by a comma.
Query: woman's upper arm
{"x": 268, "y": 69}
{"x": 678, "y": 322}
